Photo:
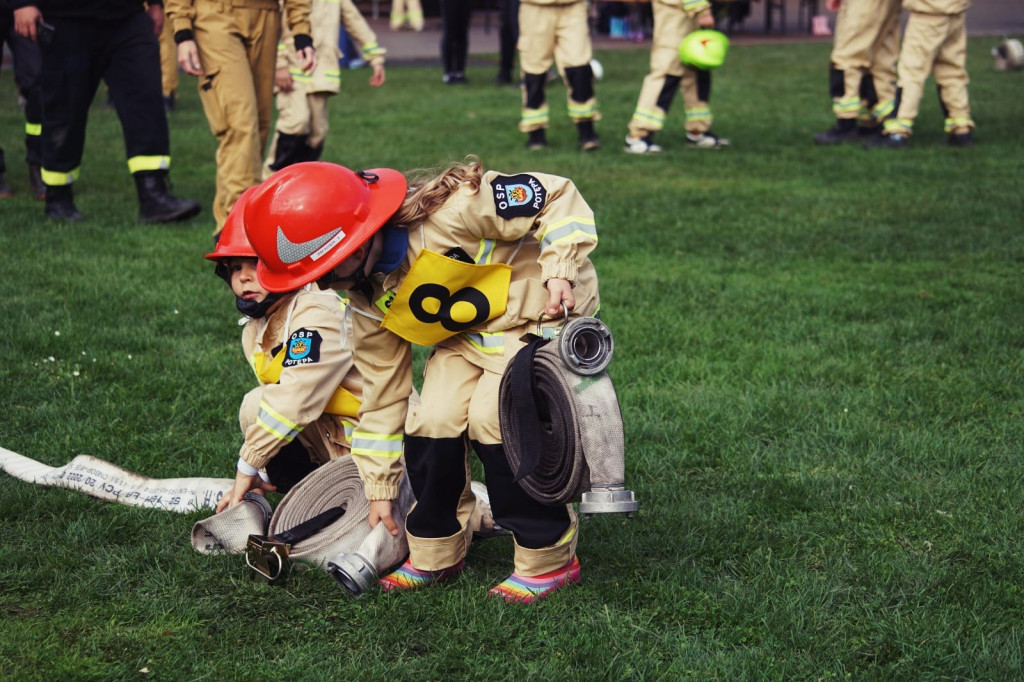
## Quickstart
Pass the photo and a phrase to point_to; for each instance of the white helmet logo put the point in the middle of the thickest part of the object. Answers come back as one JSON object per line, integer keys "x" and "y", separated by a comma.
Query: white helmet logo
{"x": 292, "y": 252}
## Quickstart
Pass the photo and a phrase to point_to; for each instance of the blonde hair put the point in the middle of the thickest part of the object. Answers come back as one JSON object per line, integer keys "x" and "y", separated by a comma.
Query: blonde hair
{"x": 430, "y": 188}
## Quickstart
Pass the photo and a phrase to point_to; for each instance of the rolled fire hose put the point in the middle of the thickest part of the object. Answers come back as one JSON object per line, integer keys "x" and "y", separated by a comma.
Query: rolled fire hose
{"x": 353, "y": 553}
{"x": 560, "y": 421}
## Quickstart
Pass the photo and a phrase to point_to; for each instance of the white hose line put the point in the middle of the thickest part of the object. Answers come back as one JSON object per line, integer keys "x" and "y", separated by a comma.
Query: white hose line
{"x": 106, "y": 481}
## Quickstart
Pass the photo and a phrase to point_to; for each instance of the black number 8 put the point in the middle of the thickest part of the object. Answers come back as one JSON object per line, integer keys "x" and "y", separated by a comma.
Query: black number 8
{"x": 447, "y": 300}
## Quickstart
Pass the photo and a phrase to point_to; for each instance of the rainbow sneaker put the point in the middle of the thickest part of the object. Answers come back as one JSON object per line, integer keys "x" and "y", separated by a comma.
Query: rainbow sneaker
{"x": 523, "y": 589}
{"x": 406, "y": 577}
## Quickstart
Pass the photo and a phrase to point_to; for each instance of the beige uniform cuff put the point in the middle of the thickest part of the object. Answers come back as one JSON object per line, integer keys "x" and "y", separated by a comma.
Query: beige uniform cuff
{"x": 533, "y": 562}
{"x": 381, "y": 491}
{"x": 435, "y": 554}
{"x": 256, "y": 459}
{"x": 561, "y": 270}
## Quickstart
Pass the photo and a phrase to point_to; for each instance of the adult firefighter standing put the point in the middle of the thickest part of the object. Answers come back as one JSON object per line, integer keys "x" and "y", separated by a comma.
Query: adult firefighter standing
{"x": 232, "y": 48}
{"x": 862, "y": 70}
{"x": 83, "y": 41}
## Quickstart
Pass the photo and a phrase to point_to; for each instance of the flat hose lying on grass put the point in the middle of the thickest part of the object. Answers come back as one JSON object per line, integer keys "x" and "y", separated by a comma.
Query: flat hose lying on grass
{"x": 106, "y": 481}
{"x": 560, "y": 421}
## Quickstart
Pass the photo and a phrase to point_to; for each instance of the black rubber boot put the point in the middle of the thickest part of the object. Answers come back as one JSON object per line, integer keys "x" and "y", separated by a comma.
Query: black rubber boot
{"x": 155, "y": 204}
{"x": 537, "y": 139}
{"x": 288, "y": 150}
{"x": 60, "y": 203}
{"x": 35, "y": 182}
{"x": 845, "y": 130}
{"x": 314, "y": 153}
{"x": 587, "y": 136}
{"x": 887, "y": 141}
{"x": 960, "y": 139}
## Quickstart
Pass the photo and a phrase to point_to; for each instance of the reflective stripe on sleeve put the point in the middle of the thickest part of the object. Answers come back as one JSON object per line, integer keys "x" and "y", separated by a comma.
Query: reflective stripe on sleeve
{"x": 377, "y": 444}
{"x": 568, "y": 228}
{"x": 371, "y": 50}
{"x": 276, "y": 424}
{"x": 483, "y": 256}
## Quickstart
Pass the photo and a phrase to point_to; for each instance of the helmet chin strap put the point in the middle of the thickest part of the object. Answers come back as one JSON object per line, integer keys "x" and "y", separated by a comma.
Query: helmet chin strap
{"x": 360, "y": 282}
{"x": 256, "y": 309}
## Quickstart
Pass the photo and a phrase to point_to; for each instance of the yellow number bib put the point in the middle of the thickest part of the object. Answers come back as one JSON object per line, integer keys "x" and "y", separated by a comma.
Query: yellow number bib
{"x": 442, "y": 297}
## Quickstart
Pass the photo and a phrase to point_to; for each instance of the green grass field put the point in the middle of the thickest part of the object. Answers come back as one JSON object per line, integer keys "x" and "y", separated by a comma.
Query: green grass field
{"x": 819, "y": 357}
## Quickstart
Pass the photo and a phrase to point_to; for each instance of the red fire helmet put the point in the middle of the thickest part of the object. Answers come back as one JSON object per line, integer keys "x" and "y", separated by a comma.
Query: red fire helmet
{"x": 307, "y": 218}
{"x": 232, "y": 242}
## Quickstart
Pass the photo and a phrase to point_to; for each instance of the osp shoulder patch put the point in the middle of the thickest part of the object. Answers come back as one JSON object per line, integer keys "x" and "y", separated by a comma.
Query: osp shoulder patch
{"x": 516, "y": 196}
{"x": 303, "y": 348}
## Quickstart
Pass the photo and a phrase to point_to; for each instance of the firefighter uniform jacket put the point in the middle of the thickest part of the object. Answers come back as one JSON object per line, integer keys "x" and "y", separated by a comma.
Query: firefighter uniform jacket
{"x": 539, "y": 225}
{"x": 326, "y": 17}
{"x": 297, "y": 354}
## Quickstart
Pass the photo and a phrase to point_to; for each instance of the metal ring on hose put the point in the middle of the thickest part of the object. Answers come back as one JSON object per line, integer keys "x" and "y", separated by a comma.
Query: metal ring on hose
{"x": 540, "y": 319}
{"x": 586, "y": 346}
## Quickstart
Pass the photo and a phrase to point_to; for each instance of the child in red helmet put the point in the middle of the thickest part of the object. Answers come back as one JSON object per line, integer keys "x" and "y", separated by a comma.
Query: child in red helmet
{"x": 302, "y": 413}
{"x": 467, "y": 262}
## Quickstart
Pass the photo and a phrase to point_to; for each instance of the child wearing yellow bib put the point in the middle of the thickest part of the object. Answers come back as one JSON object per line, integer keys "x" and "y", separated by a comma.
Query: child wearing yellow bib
{"x": 304, "y": 410}
{"x": 467, "y": 262}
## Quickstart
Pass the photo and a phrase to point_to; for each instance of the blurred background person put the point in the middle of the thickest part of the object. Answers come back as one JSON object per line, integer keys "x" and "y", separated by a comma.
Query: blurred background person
{"x": 82, "y": 42}
{"x": 862, "y": 68}
{"x": 27, "y": 61}
{"x": 455, "y": 16}
{"x": 302, "y": 99}
{"x": 232, "y": 48}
